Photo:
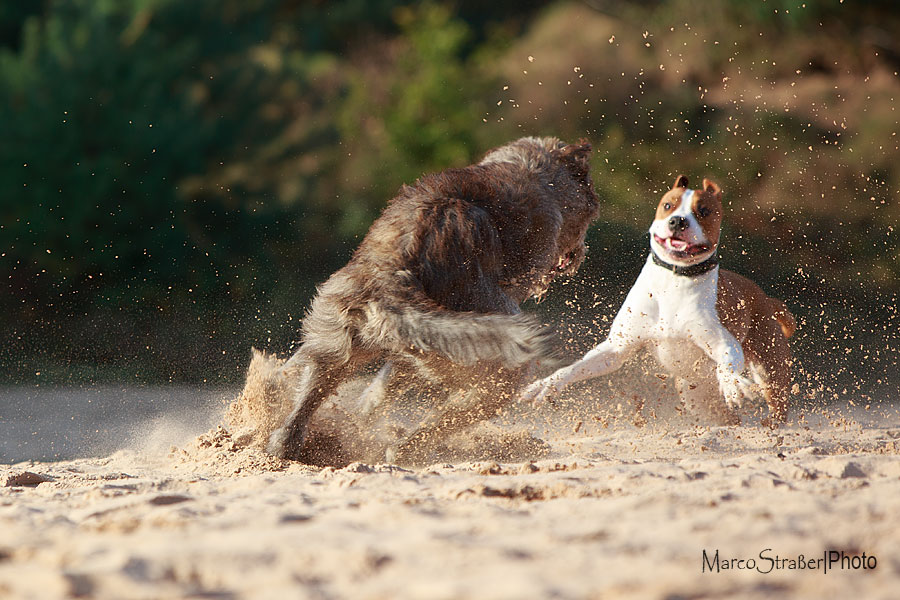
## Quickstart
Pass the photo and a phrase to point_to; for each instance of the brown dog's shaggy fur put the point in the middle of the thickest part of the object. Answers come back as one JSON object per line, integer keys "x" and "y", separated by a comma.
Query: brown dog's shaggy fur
{"x": 437, "y": 282}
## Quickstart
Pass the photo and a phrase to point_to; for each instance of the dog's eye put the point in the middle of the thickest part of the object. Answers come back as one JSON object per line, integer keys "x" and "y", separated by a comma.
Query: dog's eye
{"x": 667, "y": 206}
{"x": 703, "y": 212}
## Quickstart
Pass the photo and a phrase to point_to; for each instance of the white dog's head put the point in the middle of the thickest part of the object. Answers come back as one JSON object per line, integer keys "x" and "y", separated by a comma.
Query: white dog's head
{"x": 686, "y": 228}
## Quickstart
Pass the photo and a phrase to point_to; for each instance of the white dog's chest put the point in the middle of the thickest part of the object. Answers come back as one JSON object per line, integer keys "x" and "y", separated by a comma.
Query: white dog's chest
{"x": 677, "y": 336}
{"x": 682, "y": 357}
{"x": 673, "y": 316}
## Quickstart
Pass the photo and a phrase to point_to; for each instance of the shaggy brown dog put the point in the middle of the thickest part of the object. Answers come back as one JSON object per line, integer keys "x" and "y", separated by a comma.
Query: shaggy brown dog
{"x": 437, "y": 282}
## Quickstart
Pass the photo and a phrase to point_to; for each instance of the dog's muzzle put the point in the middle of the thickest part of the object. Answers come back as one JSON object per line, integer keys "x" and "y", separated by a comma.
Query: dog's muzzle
{"x": 677, "y": 223}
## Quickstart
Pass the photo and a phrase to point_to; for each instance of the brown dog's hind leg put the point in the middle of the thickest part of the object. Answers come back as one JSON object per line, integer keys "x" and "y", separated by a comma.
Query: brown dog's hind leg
{"x": 316, "y": 379}
{"x": 488, "y": 391}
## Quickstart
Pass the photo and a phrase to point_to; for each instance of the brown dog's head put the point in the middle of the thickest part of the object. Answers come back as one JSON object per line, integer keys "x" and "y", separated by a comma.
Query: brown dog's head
{"x": 568, "y": 203}
{"x": 579, "y": 207}
{"x": 686, "y": 228}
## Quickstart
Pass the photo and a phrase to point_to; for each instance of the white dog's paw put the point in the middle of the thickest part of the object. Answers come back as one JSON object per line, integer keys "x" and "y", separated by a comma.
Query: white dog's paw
{"x": 735, "y": 388}
{"x": 538, "y": 391}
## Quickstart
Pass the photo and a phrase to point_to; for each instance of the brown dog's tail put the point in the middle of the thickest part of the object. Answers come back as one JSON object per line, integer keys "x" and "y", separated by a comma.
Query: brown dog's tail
{"x": 783, "y": 316}
{"x": 465, "y": 337}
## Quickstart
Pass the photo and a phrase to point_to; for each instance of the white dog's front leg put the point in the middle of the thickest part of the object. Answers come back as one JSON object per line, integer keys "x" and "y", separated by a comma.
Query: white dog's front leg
{"x": 726, "y": 351}
{"x": 605, "y": 358}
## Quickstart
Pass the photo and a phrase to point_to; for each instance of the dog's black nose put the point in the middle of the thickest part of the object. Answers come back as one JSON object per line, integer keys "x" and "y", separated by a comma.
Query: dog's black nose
{"x": 678, "y": 223}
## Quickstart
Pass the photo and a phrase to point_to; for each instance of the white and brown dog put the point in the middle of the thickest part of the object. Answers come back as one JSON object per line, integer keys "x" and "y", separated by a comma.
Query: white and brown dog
{"x": 704, "y": 325}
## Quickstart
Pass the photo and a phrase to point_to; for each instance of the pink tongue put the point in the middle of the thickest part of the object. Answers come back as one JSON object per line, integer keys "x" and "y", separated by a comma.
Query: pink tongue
{"x": 677, "y": 244}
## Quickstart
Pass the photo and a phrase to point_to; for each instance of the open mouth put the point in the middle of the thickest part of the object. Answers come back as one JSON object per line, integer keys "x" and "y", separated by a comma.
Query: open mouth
{"x": 568, "y": 262}
{"x": 679, "y": 247}
{"x": 565, "y": 265}
{"x": 564, "y": 262}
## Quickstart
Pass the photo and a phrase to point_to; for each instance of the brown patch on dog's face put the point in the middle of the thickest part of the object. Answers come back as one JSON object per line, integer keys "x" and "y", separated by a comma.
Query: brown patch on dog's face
{"x": 707, "y": 209}
{"x": 669, "y": 203}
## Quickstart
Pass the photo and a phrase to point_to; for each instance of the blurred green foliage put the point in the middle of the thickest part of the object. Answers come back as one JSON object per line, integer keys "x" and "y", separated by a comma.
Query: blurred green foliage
{"x": 176, "y": 177}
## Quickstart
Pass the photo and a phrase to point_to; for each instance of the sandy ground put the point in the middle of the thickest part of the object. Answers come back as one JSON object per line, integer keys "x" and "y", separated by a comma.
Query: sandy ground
{"x": 610, "y": 510}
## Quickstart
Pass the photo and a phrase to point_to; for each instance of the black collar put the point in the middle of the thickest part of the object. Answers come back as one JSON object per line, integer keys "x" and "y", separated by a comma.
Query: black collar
{"x": 690, "y": 271}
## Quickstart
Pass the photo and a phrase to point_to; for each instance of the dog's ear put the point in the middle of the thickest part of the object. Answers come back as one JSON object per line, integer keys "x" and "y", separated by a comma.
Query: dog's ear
{"x": 577, "y": 157}
{"x": 711, "y": 186}
{"x": 680, "y": 182}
